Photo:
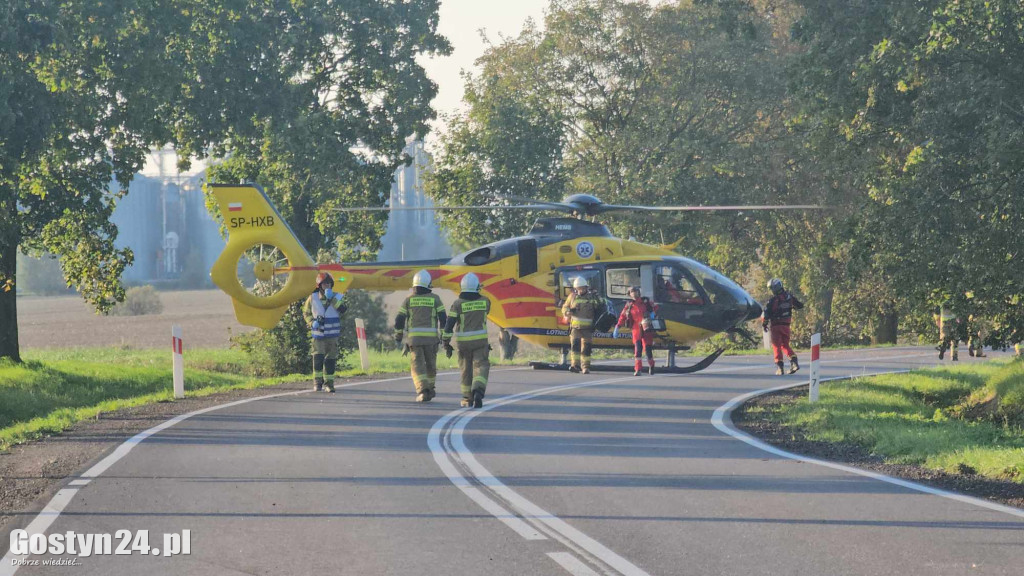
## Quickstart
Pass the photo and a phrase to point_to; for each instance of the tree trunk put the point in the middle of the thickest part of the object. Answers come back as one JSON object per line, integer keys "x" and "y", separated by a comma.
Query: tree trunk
{"x": 885, "y": 328}
{"x": 8, "y": 297}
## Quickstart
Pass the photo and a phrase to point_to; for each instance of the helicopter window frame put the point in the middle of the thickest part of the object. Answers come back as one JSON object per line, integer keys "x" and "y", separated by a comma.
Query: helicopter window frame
{"x": 692, "y": 294}
{"x": 566, "y": 276}
{"x": 613, "y": 288}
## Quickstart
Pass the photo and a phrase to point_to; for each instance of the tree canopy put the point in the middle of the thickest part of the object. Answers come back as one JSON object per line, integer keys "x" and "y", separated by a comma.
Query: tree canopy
{"x": 905, "y": 117}
{"x": 321, "y": 94}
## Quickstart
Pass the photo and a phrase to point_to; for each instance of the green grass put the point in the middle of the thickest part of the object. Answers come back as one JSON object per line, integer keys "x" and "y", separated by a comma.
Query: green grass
{"x": 55, "y": 388}
{"x": 961, "y": 418}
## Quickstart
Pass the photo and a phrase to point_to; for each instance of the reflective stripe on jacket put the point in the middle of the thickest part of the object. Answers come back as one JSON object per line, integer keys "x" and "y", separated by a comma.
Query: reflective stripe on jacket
{"x": 470, "y": 320}
{"x": 583, "y": 310}
{"x": 422, "y": 311}
{"x": 330, "y": 327}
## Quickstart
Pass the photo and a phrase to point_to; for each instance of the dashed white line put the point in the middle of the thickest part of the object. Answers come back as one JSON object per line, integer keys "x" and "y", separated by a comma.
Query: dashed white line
{"x": 572, "y": 564}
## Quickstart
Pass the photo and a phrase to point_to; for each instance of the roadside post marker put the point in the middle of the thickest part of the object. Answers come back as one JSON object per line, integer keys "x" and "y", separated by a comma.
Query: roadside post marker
{"x": 364, "y": 354}
{"x": 815, "y": 355}
{"x": 177, "y": 348}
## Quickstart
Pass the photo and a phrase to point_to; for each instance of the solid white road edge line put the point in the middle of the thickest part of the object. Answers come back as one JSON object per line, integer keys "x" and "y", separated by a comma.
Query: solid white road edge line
{"x": 63, "y": 497}
{"x": 722, "y": 419}
{"x": 525, "y": 507}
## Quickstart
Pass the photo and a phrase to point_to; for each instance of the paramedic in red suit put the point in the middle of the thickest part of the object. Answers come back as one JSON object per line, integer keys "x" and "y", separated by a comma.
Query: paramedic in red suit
{"x": 636, "y": 314}
{"x": 778, "y": 312}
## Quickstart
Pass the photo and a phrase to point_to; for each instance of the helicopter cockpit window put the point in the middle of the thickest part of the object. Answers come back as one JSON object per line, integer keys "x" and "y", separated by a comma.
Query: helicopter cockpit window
{"x": 620, "y": 280}
{"x": 479, "y": 256}
{"x": 672, "y": 286}
{"x": 593, "y": 278}
{"x": 719, "y": 289}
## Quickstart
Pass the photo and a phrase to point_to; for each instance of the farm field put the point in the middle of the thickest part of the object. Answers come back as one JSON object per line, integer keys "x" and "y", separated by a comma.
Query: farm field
{"x": 206, "y": 318}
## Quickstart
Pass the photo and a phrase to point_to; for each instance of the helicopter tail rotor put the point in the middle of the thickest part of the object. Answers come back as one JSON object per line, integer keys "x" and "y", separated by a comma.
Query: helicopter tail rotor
{"x": 263, "y": 268}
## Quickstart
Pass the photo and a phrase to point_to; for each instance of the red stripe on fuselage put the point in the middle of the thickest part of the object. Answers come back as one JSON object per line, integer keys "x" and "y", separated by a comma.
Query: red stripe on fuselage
{"x": 528, "y": 309}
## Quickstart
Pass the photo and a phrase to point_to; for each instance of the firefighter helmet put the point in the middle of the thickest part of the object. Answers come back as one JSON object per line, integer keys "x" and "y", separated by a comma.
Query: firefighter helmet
{"x": 422, "y": 279}
{"x": 323, "y": 277}
{"x": 470, "y": 283}
{"x": 580, "y": 282}
{"x": 775, "y": 285}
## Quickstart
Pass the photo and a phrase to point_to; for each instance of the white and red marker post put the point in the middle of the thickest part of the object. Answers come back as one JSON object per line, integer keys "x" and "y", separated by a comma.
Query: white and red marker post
{"x": 178, "y": 360}
{"x": 364, "y": 353}
{"x": 815, "y": 355}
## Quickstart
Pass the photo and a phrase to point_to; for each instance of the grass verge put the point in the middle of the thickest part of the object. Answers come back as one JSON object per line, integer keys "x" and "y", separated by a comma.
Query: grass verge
{"x": 961, "y": 419}
{"x": 55, "y": 388}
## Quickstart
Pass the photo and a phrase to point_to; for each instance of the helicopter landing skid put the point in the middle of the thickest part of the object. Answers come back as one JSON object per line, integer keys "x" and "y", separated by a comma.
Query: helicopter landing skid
{"x": 624, "y": 368}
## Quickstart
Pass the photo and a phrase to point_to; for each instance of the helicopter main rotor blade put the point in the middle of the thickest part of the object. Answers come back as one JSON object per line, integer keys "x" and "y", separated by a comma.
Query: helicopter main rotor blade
{"x": 440, "y": 208}
{"x": 613, "y": 207}
{"x": 551, "y": 205}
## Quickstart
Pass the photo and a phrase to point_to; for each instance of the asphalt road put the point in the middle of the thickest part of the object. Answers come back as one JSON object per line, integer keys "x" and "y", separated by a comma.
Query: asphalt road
{"x": 559, "y": 474}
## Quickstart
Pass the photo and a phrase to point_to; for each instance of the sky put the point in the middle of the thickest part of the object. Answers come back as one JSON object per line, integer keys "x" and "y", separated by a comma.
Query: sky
{"x": 461, "y": 22}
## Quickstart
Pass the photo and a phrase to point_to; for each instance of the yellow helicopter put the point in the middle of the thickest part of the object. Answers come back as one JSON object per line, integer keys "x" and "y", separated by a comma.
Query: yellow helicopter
{"x": 264, "y": 269}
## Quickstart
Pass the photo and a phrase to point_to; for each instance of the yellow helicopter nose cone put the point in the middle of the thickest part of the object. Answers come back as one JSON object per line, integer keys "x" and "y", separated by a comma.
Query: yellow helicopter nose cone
{"x": 264, "y": 271}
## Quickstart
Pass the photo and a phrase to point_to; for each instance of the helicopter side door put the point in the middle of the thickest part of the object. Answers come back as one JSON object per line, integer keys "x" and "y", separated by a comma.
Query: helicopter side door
{"x": 564, "y": 278}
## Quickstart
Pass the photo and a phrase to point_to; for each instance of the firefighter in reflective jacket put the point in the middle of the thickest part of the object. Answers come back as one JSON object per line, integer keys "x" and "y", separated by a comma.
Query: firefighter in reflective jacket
{"x": 468, "y": 323}
{"x": 778, "y": 312}
{"x": 323, "y": 311}
{"x": 423, "y": 311}
{"x": 581, "y": 309}
{"x": 637, "y": 315}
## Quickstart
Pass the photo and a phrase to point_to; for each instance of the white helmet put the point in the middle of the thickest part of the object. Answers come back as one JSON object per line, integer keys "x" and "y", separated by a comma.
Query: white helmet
{"x": 580, "y": 282}
{"x": 421, "y": 279}
{"x": 470, "y": 283}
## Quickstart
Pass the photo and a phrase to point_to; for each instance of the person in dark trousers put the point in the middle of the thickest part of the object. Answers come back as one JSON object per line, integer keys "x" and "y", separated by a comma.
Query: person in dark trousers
{"x": 778, "y": 314}
{"x": 637, "y": 315}
{"x": 418, "y": 320}
{"x": 323, "y": 311}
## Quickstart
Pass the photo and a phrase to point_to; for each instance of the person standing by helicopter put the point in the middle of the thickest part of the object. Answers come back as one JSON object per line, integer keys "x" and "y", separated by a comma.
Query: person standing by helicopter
{"x": 424, "y": 312}
{"x": 637, "y": 315}
{"x": 323, "y": 311}
{"x": 468, "y": 323}
{"x": 581, "y": 309}
{"x": 778, "y": 313}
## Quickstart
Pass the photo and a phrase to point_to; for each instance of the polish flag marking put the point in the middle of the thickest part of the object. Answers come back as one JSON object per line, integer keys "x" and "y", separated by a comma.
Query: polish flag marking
{"x": 234, "y": 206}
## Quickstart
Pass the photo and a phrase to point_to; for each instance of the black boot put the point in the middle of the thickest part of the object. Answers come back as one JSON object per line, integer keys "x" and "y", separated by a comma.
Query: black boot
{"x": 793, "y": 365}
{"x": 781, "y": 368}
{"x": 318, "y": 384}
{"x": 478, "y": 398}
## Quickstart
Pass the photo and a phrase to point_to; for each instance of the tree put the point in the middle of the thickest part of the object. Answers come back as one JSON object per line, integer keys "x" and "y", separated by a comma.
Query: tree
{"x": 89, "y": 89}
{"x": 924, "y": 97}
{"x": 632, "y": 103}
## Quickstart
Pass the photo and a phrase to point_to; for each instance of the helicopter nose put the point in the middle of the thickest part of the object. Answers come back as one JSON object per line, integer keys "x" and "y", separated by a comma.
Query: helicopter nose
{"x": 753, "y": 310}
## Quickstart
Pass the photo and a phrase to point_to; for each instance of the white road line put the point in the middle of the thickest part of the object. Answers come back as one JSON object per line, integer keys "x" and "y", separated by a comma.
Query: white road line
{"x": 63, "y": 497}
{"x": 508, "y": 518}
{"x": 529, "y": 510}
{"x": 572, "y": 564}
{"x": 723, "y": 421}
